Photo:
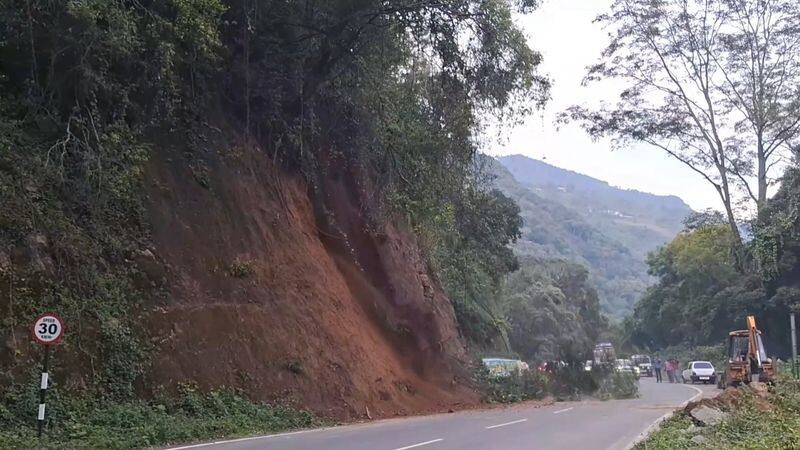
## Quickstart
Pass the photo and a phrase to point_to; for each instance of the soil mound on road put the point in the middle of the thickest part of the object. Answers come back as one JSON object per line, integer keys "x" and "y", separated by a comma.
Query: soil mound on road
{"x": 293, "y": 294}
{"x": 732, "y": 399}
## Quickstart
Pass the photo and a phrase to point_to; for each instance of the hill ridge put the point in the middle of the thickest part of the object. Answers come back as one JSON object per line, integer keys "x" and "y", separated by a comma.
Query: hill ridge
{"x": 608, "y": 230}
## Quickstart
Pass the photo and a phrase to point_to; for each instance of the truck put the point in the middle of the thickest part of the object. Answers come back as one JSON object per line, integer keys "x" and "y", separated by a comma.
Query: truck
{"x": 604, "y": 354}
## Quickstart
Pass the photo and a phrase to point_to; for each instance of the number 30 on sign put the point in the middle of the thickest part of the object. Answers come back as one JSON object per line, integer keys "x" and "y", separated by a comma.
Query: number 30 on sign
{"x": 48, "y": 329}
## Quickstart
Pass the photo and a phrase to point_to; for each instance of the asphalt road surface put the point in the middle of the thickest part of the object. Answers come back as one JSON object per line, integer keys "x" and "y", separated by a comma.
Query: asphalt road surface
{"x": 590, "y": 424}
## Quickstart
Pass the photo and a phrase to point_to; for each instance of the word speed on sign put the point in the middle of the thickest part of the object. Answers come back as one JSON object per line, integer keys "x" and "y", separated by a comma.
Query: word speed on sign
{"x": 48, "y": 329}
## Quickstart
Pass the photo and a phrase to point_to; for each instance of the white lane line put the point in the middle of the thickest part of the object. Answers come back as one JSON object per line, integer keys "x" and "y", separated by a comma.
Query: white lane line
{"x": 230, "y": 441}
{"x": 506, "y": 424}
{"x": 420, "y": 444}
{"x": 563, "y": 410}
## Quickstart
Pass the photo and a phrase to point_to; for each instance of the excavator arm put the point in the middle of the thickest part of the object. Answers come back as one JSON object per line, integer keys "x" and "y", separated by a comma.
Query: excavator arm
{"x": 755, "y": 350}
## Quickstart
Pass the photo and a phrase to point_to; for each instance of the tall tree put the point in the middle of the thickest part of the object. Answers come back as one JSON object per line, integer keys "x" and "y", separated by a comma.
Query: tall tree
{"x": 761, "y": 67}
{"x": 712, "y": 83}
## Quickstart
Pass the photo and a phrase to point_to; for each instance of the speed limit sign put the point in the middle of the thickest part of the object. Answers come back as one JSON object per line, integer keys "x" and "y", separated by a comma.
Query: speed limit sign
{"x": 48, "y": 329}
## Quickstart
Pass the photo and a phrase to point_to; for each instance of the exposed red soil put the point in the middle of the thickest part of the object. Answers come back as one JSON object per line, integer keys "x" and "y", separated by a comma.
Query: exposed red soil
{"x": 733, "y": 398}
{"x": 293, "y": 296}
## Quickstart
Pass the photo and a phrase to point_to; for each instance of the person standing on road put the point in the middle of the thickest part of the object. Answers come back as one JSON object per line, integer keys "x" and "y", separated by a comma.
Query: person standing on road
{"x": 670, "y": 371}
{"x": 657, "y": 369}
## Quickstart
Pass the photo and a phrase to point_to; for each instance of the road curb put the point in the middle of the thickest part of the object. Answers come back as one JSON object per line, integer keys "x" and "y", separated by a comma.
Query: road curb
{"x": 657, "y": 423}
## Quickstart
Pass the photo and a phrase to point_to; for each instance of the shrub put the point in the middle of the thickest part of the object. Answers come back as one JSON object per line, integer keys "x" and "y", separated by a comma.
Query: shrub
{"x": 750, "y": 424}
{"x": 241, "y": 268}
{"x": 76, "y": 422}
{"x": 617, "y": 385}
{"x": 528, "y": 385}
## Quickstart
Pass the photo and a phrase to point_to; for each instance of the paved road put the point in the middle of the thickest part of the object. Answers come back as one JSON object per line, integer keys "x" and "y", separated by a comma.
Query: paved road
{"x": 569, "y": 425}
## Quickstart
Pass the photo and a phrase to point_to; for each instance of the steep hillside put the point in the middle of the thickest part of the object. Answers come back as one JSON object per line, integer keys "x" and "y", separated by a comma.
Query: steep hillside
{"x": 260, "y": 195}
{"x": 638, "y": 220}
{"x": 556, "y": 226}
{"x": 252, "y": 269}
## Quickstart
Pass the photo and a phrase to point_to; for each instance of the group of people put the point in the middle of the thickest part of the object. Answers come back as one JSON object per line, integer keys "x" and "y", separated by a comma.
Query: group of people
{"x": 671, "y": 366}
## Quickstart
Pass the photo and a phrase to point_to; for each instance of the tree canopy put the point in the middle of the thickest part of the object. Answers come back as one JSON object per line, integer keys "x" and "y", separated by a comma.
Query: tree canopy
{"x": 713, "y": 83}
{"x": 701, "y": 295}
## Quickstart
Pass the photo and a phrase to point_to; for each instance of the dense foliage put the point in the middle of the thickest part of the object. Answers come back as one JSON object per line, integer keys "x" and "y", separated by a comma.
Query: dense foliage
{"x": 702, "y": 295}
{"x": 90, "y": 89}
{"x": 607, "y": 230}
{"x": 87, "y": 423}
{"x": 553, "y": 311}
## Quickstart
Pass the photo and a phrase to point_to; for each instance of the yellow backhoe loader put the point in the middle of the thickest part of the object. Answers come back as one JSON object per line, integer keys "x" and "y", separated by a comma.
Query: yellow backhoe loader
{"x": 747, "y": 358}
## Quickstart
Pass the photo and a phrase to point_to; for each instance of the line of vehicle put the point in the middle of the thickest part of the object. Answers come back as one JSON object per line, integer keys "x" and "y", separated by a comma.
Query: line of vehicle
{"x": 433, "y": 441}
{"x": 506, "y": 424}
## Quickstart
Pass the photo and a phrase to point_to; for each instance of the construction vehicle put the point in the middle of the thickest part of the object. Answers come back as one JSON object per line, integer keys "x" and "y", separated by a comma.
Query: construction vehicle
{"x": 747, "y": 358}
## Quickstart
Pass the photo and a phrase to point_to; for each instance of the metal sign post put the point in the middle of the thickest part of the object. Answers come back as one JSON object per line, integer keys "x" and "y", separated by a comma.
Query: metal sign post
{"x": 795, "y": 365}
{"x": 47, "y": 330}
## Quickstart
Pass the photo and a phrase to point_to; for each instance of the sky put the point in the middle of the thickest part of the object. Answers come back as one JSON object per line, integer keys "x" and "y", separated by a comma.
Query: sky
{"x": 562, "y": 30}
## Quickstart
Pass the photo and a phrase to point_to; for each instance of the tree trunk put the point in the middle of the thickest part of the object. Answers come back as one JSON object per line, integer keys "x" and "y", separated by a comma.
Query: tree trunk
{"x": 725, "y": 194}
{"x": 762, "y": 175}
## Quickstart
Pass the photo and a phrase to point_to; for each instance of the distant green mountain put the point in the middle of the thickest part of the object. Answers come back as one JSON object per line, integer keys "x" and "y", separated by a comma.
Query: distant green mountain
{"x": 578, "y": 218}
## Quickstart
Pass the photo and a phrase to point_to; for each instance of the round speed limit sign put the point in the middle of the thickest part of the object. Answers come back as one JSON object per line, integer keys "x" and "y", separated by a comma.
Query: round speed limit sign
{"x": 48, "y": 329}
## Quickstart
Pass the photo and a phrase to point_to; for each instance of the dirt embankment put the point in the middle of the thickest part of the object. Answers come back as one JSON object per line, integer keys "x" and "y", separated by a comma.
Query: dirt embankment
{"x": 291, "y": 295}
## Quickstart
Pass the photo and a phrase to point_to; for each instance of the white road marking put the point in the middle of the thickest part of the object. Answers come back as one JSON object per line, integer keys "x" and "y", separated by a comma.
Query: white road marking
{"x": 562, "y": 410}
{"x": 420, "y": 444}
{"x": 507, "y": 423}
{"x": 230, "y": 441}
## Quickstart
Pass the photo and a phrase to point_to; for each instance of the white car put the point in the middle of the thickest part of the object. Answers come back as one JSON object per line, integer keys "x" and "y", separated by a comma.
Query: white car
{"x": 625, "y": 365}
{"x": 699, "y": 371}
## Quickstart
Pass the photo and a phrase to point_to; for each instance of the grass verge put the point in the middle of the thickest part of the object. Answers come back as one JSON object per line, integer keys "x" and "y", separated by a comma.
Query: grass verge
{"x": 192, "y": 416}
{"x": 752, "y": 424}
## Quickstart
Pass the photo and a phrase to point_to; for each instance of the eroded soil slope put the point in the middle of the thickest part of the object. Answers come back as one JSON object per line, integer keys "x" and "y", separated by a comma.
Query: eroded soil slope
{"x": 290, "y": 294}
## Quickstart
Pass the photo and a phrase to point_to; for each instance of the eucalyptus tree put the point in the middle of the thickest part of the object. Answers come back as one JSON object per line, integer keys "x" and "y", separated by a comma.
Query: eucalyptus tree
{"x": 761, "y": 67}
{"x": 713, "y": 83}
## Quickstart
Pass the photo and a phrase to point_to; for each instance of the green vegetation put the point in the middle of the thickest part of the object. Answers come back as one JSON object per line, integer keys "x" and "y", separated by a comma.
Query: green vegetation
{"x": 518, "y": 387}
{"x": 396, "y": 91}
{"x": 618, "y": 385}
{"x": 605, "y": 229}
{"x": 91, "y": 90}
{"x": 189, "y": 416}
{"x": 82, "y": 86}
{"x": 553, "y": 312}
{"x": 703, "y": 293}
{"x": 753, "y": 424}
{"x": 566, "y": 383}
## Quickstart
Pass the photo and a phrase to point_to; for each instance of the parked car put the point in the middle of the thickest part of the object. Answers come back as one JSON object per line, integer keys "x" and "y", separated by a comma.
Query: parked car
{"x": 625, "y": 366}
{"x": 699, "y": 371}
{"x": 588, "y": 365}
{"x": 644, "y": 364}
